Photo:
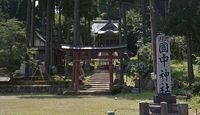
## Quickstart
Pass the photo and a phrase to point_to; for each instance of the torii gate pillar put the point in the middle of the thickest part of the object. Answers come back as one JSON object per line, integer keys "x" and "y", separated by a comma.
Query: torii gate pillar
{"x": 77, "y": 71}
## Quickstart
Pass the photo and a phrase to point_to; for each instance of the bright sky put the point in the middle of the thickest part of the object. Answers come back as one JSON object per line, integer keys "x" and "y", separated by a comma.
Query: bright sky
{"x": 36, "y": 3}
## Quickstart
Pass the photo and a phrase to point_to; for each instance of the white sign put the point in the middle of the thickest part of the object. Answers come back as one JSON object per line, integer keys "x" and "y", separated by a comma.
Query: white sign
{"x": 163, "y": 65}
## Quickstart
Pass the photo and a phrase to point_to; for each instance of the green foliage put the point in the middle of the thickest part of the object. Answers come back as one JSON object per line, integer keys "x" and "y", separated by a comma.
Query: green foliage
{"x": 108, "y": 9}
{"x": 145, "y": 59}
{"x": 143, "y": 65}
{"x": 181, "y": 85}
{"x": 196, "y": 88}
{"x": 131, "y": 68}
{"x": 12, "y": 44}
{"x": 134, "y": 20}
{"x": 179, "y": 70}
{"x": 13, "y": 9}
{"x": 31, "y": 52}
{"x": 178, "y": 47}
{"x": 183, "y": 16}
{"x": 134, "y": 25}
{"x": 116, "y": 89}
{"x": 183, "y": 19}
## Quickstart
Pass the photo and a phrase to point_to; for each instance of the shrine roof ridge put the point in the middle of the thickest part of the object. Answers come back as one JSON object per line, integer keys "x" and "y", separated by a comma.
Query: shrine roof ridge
{"x": 67, "y": 47}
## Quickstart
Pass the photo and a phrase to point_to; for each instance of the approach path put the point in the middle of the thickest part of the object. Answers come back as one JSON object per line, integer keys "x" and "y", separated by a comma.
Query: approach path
{"x": 98, "y": 83}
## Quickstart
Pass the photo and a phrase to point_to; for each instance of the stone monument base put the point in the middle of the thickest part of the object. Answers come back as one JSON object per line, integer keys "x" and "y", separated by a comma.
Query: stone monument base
{"x": 164, "y": 98}
{"x": 163, "y": 109}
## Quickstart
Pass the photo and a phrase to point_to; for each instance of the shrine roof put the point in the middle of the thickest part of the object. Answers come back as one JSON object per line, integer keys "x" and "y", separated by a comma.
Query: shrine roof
{"x": 104, "y": 26}
{"x": 40, "y": 36}
{"x": 67, "y": 47}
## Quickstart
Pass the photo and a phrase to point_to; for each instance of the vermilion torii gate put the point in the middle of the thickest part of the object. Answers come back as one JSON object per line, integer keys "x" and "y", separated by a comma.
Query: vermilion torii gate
{"x": 88, "y": 53}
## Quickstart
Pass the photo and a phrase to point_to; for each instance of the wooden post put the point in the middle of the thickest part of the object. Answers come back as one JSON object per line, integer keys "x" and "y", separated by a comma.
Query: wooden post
{"x": 121, "y": 68}
{"x": 111, "y": 70}
{"x": 78, "y": 71}
{"x": 144, "y": 108}
{"x": 164, "y": 108}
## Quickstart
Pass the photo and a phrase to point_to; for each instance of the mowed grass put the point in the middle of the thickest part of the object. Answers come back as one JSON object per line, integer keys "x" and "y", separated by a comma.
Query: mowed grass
{"x": 123, "y": 104}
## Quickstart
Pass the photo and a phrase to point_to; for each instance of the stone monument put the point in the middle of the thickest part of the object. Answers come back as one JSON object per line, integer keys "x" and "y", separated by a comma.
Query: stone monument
{"x": 164, "y": 103}
{"x": 163, "y": 76}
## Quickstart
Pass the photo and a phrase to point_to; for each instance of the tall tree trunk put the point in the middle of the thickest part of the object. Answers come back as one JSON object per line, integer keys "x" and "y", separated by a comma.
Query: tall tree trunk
{"x": 143, "y": 12}
{"x": 120, "y": 22}
{"x": 189, "y": 58}
{"x": 59, "y": 23}
{"x": 28, "y": 16}
{"x": 124, "y": 22}
{"x": 52, "y": 34}
{"x": 48, "y": 37}
{"x": 120, "y": 42}
{"x": 43, "y": 17}
{"x": 68, "y": 24}
{"x": 32, "y": 23}
{"x": 153, "y": 19}
{"x": 76, "y": 41}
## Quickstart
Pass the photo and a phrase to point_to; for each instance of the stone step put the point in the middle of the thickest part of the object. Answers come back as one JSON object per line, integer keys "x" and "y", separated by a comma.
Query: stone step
{"x": 99, "y": 78}
{"x": 93, "y": 84}
{"x": 97, "y": 87}
{"x": 98, "y": 82}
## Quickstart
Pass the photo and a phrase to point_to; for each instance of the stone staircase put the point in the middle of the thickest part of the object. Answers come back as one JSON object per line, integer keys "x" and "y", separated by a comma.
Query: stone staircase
{"x": 97, "y": 84}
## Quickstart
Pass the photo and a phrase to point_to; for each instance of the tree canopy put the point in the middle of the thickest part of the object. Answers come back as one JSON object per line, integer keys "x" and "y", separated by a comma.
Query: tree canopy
{"x": 12, "y": 44}
{"x": 177, "y": 18}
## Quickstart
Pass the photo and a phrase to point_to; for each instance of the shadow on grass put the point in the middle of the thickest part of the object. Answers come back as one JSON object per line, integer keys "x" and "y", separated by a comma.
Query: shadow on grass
{"x": 40, "y": 96}
{"x": 52, "y": 97}
{"x": 145, "y": 95}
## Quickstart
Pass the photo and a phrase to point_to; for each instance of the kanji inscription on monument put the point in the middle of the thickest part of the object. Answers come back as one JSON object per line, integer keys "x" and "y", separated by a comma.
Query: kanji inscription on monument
{"x": 163, "y": 65}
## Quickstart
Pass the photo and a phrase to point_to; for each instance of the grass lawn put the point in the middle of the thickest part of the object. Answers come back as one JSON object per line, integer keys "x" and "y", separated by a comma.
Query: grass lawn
{"x": 41, "y": 104}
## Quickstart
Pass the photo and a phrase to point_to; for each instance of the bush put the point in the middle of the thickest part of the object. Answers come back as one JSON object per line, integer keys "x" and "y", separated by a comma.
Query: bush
{"x": 144, "y": 65}
{"x": 196, "y": 88}
{"x": 116, "y": 89}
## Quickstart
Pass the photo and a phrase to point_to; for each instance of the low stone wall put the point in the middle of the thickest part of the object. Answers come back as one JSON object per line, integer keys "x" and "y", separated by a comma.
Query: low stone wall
{"x": 32, "y": 88}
